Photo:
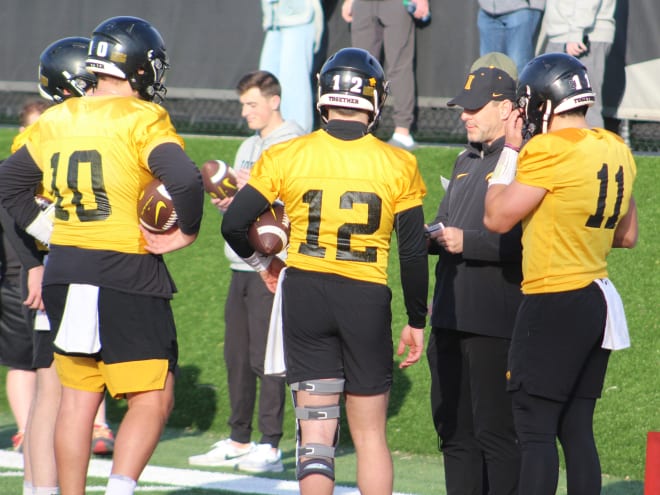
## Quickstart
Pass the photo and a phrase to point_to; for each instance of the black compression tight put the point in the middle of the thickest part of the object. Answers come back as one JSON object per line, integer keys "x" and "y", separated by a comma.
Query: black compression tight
{"x": 539, "y": 422}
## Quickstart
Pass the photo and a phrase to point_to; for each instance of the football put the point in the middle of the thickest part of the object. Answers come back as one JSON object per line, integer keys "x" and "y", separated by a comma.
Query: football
{"x": 155, "y": 208}
{"x": 46, "y": 205}
{"x": 269, "y": 233}
{"x": 219, "y": 179}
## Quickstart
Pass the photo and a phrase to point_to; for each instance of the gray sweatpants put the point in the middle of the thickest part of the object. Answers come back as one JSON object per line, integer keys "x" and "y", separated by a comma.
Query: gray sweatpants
{"x": 387, "y": 31}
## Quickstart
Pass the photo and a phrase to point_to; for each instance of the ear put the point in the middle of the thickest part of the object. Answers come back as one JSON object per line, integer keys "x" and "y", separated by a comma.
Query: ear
{"x": 275, "y": 102}
{"x": 506, "y": 107}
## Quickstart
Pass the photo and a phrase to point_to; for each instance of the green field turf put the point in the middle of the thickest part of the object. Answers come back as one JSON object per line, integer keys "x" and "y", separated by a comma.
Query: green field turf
{"x": 630, "y": 406}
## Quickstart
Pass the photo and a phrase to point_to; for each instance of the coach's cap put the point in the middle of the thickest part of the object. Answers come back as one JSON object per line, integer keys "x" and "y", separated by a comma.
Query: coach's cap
{"x": 498, "y": 60}
{"x": 483, "y": 85}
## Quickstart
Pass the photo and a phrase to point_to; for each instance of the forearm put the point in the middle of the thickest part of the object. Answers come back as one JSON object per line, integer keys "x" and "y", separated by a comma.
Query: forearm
{"x": 19, "y": 178}
{"x": 183, "y": 181}
{"x": 24, "y": 245}
{"x": 413, "y": 264}
{"x": 244, "y": 209}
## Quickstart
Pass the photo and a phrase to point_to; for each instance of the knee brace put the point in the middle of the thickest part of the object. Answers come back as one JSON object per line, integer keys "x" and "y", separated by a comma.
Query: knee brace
{"x": 320, "y": 459}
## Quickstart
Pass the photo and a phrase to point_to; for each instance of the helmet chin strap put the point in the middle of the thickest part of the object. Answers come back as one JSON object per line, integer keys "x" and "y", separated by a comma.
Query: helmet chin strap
{"x": 376, "y": 112}
{"x": 546, "y": 116}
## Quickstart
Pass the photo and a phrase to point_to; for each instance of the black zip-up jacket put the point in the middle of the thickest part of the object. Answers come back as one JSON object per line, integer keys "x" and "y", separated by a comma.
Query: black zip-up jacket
{"x": 477, "y": 291}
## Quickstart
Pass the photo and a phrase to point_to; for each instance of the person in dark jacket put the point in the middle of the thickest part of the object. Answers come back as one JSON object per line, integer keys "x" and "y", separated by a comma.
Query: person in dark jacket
{"x": 476, "y": 296}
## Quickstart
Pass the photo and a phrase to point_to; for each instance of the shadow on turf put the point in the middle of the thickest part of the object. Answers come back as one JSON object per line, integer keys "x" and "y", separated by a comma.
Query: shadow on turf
{"x": 195, "y": 405}
{"x": 6, "y": 432}
{"x": 623, "y": 488}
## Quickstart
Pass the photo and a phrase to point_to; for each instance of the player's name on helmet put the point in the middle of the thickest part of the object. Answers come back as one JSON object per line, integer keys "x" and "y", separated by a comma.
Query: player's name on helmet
{"x": 586, "y": 99}
{"x": 343, "y": 99}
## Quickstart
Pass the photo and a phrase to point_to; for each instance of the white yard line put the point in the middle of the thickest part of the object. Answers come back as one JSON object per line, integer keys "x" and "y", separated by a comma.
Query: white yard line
{"x": 184, "y": 478}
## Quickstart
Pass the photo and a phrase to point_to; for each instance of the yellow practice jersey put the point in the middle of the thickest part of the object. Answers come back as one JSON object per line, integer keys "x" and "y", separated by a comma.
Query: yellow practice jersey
{"x": 588, "y": 176}
{"x": 19, "y": 141}
{"x": 341, "y": 197}
{"x": 93, "y": 152}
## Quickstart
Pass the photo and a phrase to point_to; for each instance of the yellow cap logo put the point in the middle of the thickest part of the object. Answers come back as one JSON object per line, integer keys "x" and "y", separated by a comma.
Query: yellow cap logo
{"x": 468, "y": 83}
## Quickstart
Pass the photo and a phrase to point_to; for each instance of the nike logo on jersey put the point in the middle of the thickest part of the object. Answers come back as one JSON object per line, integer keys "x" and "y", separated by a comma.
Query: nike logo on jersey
{"x": 460, "y": 176}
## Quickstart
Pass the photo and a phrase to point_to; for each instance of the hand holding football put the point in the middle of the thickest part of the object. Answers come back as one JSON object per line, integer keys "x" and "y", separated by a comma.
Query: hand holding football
{"x": 219, "y": 179}
{"x": 155, "y": 208}
{"x": 269, "y": 234}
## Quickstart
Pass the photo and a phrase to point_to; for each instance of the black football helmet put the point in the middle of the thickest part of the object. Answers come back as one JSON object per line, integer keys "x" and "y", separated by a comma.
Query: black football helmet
{"x": 62, "y": 71}
{"x": 550, "y": 84}
{"x": 130, "y": 48}
{"x": 352, "y": 78}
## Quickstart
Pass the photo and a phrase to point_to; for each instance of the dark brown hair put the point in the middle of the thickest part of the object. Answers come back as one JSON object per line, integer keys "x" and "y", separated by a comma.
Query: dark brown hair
{"x": 264, "y": 80}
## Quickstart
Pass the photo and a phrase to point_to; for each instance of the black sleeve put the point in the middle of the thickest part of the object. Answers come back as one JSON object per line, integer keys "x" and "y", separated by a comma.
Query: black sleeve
{"x": 414, "y": 268}
{"x": 246, "y": 206}
{"x": 169, "y": 163}
{"x": 19, "y": 178}
{"x": 23, "y": 243}
{"x": 491, "y": 247}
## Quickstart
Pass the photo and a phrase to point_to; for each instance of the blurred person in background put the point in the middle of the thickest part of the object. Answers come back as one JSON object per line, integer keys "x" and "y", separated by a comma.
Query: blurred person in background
{"x": 584, "y": 29}
{"x": 293, "y": 31}
{"x": 248, "y": 305}
{"x": 510, "y": 27}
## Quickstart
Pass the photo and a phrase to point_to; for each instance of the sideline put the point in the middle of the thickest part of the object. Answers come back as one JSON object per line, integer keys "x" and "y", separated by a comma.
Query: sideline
{"x": 187, "y": 478}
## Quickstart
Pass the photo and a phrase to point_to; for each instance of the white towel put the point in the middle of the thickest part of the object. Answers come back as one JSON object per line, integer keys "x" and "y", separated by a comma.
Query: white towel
{"x": 79, "y": 329}
{"x": 616, "y": 327}
{"x": 274, "y": 359}
{"x": 41, "y": 323}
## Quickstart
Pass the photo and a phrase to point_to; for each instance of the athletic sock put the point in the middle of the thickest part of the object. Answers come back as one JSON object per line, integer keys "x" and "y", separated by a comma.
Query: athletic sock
{"x": 27, "y": 488}
{"x": 120, "y": 485}
{"x": 45, "y": 490}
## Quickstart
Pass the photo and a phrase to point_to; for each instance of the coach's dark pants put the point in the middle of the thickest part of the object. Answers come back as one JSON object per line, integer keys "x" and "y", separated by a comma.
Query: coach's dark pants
{"x": 472, "y": 412}
{"x": 247, "y": 316}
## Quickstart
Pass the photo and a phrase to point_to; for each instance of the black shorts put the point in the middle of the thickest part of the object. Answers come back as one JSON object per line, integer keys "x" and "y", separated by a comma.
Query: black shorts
{"x": 138, "y": 337}
{"x": 556, "y": 345}
{"x": 15, "y": 331}
{"x": 335, "y": 327}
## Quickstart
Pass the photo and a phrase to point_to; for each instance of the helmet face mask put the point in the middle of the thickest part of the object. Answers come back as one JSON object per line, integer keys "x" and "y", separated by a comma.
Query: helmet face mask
{"x": 548, "y": 85}
{"x": 352, "y": 78}
{"x": 132, "y": 49}
{"x": 62, "y": 70}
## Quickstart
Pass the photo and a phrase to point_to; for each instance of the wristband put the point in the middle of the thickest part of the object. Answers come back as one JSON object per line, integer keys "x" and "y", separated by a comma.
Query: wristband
{"x": 258, "y": 262}
{"x": 505, "y": 170}
{"x": 41, "y": 228}
{"x": 512, "y": 147}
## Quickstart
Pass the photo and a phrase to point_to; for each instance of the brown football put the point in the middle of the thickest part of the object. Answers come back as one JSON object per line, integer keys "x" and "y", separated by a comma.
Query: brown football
{"x": 155, "y": 208}
{"x": 269, "y": 233}
{"x": 219, "y": 179}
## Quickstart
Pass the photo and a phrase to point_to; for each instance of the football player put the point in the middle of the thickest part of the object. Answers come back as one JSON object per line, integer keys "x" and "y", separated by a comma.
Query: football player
{"x": 103, "y": 282}
{"x": 345, "y": 191}
{"x": 62, "y": 74}
{"x": 571, "y": 186}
